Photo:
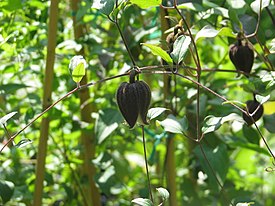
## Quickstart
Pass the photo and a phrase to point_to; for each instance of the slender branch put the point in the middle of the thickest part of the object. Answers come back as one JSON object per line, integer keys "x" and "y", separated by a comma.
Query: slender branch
{"x": 115, "y": 21}
{"x": 197, "y": 61}
{"x": 211, "y": 91}
{"x": 55, "y": 103}
{"x": 271, "y": 15}
{"x": 265, "y": 142}
{"x": 146, "y": 164}
{"x": 213, "y": 171}
{"x": 37, "y": 117}
{"x": 265, "y": 59}
{"x": 68, "y": 162}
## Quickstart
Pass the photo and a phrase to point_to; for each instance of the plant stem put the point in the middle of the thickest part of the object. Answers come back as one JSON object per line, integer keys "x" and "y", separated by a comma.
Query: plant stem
{"x": 37, "y": 117}
{"x": 213, "y": 171}
{"x": 47, "y": 90}
{"x": 146, "y": 164}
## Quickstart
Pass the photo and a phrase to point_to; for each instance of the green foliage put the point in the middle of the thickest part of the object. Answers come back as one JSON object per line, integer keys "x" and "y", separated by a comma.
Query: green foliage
{"x": 224, "y": 151}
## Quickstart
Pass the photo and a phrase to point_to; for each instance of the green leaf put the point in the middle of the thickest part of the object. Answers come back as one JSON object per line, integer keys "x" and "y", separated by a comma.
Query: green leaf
{"x": 234, "y": 18}
{"x": 158, "y": 51}
{"x": 174, "y": 125}
{"x": 262, "y": 99}
{"x": 142, "y": 202}
{"x": 6, "y": 190}
{"x": 191, "y": 6}
{"x": 155, "y": 112}
{"x": 13, "y": 5}
{"x": 218, "y": 159}
{"x": 236, "y": 142}
{"x": 23, "y": 143}
{"x": 10, "y": 88}
{"x": 144, "y": 4}
{"x": 272, "y": 46}
{"x": 180, "y": 48}
{"x": 107, "y": 121}
{"x": 212, "y": 123}
{"x": 245, "y": 203}
{"x": 209, "y": 32}
{"x": 163, "y": 193}
{"x": 236, "y": 4}
{"x": 104, "y": 6}
{"x": 238, "y": 103}
{"x": 78, "y": 72}
{"x": 4, "y": 119}
{"x": 77, "y": 68}
{"x": 255, "y": 5}
{"x": 269, "y": 122}
{"x": 220, "y": 11}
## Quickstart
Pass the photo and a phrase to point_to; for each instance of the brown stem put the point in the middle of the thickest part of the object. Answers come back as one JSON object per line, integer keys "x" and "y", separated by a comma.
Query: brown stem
{"x": 146, "y": 164}
{"x": 213, "y": 171}
{"x": 48, "y": 82}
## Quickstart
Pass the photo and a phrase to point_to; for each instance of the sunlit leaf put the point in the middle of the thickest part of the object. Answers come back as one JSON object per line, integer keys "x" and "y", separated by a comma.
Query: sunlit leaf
{"x": 269, "y": 108}
{"x": 4, "y": 119}
{"x": 214, "y": 11}
{"x": 158, "y": 51}
{"x": 236, "y": 4}
{"x": 104, "y": 6}
{"x": 142, "y": 202}
{"x": 210, "y": 32}
{"x": 155, "y": 112}
{"x": 13, "y": 5}
{"x": 23, "y": 143}
{"x": 212, "y": 123}
{"x": 245, "y": 204}
{"x": 272, "y": 46}
{"x": 107, "y": 121}
{"x": 238, "y": 103}
{"x": 256, "y": 5}
{"x": 180, "y": 48}
{"x": 163, "y": 193}
{"x": 191, "y": 6}
{"x": 262, "y": 99}
{"x": 144, "y": 4}
{"x": 77, "y": 68}
{"x": 174, "y": 125}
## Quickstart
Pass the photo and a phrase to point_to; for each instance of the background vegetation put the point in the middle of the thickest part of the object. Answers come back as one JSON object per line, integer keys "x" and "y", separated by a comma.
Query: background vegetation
{"x": 82, "y": 153}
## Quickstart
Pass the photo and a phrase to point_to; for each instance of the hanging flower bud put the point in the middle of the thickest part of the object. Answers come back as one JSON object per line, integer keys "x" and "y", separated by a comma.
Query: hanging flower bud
{"x": 242, "y": 56}
{"x": 133, "y": 100}
{"x": 251, "y": 106}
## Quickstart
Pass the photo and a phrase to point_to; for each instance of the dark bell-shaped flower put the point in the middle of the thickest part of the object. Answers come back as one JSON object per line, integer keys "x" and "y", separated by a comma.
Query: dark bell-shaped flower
{"x": 133, "y": 100}
{"x": 252, "y": 106}
{"x": 242, "y": 56}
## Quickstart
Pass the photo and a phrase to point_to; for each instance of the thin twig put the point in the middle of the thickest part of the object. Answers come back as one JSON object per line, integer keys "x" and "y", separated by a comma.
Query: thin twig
{"x": 197, "y": 61}
{"x": 115, "y": 21}
{"x": 265, "y": 142}
{"x": 146, "y": 164}
{"x": 213, "y": 171}
{"x": 68, "y": 162}
{"x": 37, "y": 117}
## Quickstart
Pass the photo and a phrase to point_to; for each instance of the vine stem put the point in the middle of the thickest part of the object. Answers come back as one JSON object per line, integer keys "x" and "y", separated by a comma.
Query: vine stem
{"x": 197, "y": 62}
{"x": 55, "y": 103}
{"x": 68, "y": 162}
{"x": 122, "y": 36}
{"x": 146, "y": 164}
{"x": 37, "y": 117}
{"x": 213, "y": 171}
